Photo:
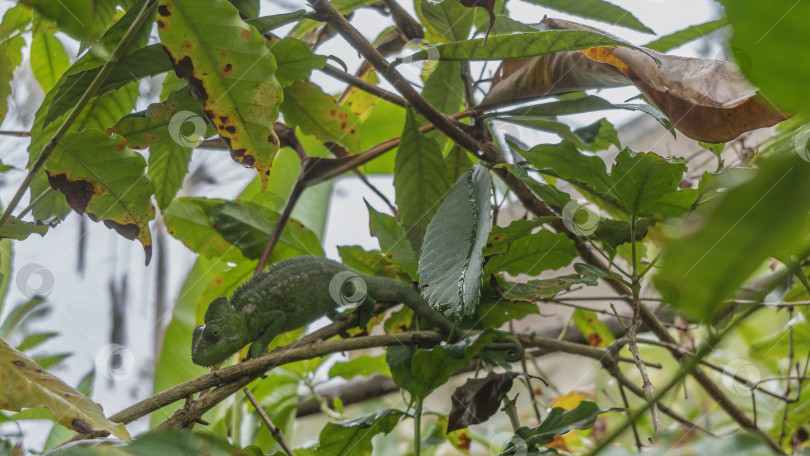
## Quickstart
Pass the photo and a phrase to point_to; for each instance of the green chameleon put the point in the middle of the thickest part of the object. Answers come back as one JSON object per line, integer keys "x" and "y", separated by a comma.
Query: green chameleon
{"x": 290, "y": 295}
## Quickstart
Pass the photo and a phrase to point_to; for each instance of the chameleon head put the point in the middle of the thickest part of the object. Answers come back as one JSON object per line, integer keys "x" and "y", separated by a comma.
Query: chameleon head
{"x": 218, "y": 339}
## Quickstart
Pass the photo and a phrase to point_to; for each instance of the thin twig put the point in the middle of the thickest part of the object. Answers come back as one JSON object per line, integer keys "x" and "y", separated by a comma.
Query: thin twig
{"x": 274, "y": 430}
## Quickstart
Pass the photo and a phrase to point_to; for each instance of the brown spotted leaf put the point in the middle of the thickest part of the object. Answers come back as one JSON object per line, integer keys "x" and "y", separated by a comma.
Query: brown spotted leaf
{"x": 596, "y": 332}
{"x": 316, "y": 113}
{"x": 100, "y": 176}
{"x": 536, "y": 290}
{"x": 230, "y": 72}
{"x": 24, "y": 384}
{"x": 478, "y": 399}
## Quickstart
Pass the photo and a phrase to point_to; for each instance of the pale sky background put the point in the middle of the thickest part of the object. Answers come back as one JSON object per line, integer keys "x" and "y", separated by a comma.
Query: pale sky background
{"x": 80, "y": 304}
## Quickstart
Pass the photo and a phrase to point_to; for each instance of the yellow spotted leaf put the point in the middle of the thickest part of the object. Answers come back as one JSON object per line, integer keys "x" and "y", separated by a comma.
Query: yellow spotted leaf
{"x": 229, "y": 71}
{"x": 24, "y": 384}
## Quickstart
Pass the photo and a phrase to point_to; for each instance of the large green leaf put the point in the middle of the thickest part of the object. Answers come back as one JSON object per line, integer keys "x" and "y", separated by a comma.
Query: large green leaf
{"x": 353, "y": 438}
{"x": 81, "y": 19}
{"x": 596, "y": 9}
{"x": 230, "y": 72}
{"x": 568, "y": 163}
{"x": 248, "y": 226}
{"x": 419, "y": 180}
{"x": 316, "y": 113}
{"x": 49, "y": 61}
{"x": 641, "y": 180}
{"x": 534, "y": 253}
{"x": 558, "y": 422}
{"x": 759, "y": 219}
{"x": 363, "y": 365}
{"x": 681, "y": 37}
{"x": 765, "y": 45}
{"x": 101, "y": 177}
{"x": 10, "y": 58}
{"x": 450, "y": 268}
{"x": 26, "y": 385}
{"x": 188, "y": 219}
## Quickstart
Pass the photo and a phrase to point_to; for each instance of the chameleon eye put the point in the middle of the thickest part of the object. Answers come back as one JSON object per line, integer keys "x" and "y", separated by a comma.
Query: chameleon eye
{"x": 212, "y": 333}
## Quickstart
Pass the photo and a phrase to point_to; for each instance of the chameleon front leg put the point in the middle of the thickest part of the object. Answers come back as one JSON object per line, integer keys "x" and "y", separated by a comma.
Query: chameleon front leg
{"x": 272, "y": 322}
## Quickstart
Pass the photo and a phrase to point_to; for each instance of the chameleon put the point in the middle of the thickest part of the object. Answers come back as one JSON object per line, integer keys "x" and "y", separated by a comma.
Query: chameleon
{"x": 289, "y": 295}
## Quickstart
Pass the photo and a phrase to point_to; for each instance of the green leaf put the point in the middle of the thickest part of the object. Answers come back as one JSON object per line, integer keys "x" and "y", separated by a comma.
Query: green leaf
{"x": 230, "y": 73}
{"x": 82, "y": 20}
{"x": 32, "y": 340}
{"x": 552, "y": 196}
{"x": 641, "y": 180}
{"x": 10, "y": 58}
{"x": 6, "y": 256}
{"x": 572, "y": 165}
{"x": 450, "y": 268}
{"x": 49, "y": 61}
{"x": 449, "y": 18}
{"x": 595, "y": 331}
{"x": 517, "y": 46}
{"x": 353, "y": 438}
{"x": 101, "y": 177}
{"x": 295, "y": 60}
{"x": 19, "y": 316}
{"x": 494, "y": 314}
{"x": 176, "y": 121}
{"x": 398, "y": 358}
{"x": 596, "y": 9}
{"x": 14, "y": 228}
{"x": 363, "y": 365}
{"x": 536, "y": 290}
{"x": 393, "y": 240}
{"x": 457, "y": 162}
{"x": 737, "y": 235}
{"x": 558, "y": 422}
{"x": 598, "y": 136}
{"x": 681, "y": 37}
{"x": 534, "y": 253}
{"x": 500, "y": 237}
{"x": 444, "y": 89}
{"x": 168, "y": 166}
{"x": 248, "y": 226}
{"x": 318, "y": 114}
{"x": 588, "y": 103}
{"x": 765, "y": 48}
{"x": 419, "y": 180}
{"x": 188, "y": 219}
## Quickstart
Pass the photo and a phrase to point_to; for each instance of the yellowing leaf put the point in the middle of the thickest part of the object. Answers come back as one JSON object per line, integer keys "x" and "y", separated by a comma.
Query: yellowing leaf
{"x": 230, "y": 72}
{"x": 569, "y": 401}
{"x": 24, "y": 384}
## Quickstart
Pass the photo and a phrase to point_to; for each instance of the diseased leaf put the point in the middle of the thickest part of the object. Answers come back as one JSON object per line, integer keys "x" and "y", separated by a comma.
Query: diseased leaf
{"x": 25, "y": 384}
{"x": 534, "y": 253}
{"x": 295, "y": 60}
{"x": 419, "y": 181}
{"x": 100, "y": 176}
{"x": 208, "y": 44}
{"x": 596, "y": 9}
{"x": 595, "y": 331}
{"x": 176, "y": 121}
{"x": 706, "y": 266}
{"x": 49, "y": 61}
{"x": 450, "y": 268}
{"x": 318, "y": 114}
{"x": 478, "y": 399}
